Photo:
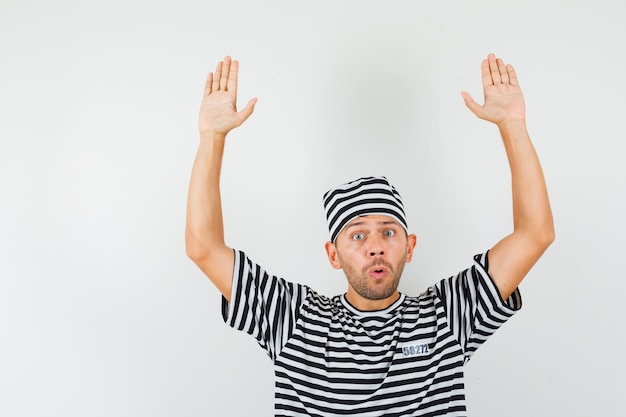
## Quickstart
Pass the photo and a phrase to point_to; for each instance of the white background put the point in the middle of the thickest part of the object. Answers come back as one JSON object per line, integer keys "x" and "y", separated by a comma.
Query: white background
{"x": 102, "y": 314}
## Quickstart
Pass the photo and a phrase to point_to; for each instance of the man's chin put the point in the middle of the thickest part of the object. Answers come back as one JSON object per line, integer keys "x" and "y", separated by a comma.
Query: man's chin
{"x": 382, "y": 294}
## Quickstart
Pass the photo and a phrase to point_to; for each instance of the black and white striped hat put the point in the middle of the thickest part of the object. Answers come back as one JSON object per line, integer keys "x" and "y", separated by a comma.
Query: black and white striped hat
{"x": 369, "y": 195}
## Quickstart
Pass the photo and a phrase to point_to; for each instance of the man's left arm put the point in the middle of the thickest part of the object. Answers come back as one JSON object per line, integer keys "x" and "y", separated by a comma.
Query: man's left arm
{"x": 533, "y": 228}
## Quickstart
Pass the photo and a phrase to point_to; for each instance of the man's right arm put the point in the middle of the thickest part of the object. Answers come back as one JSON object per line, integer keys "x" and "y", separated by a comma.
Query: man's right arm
{"x": 204, "y": 233}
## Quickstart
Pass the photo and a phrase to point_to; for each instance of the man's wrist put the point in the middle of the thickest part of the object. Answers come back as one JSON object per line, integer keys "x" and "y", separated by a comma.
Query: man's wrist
{"x": 212, "y": 136}
{"x": 512, "y": 125}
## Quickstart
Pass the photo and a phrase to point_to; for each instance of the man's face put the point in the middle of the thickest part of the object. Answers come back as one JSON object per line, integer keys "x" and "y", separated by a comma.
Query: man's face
{"x": 372, "y": 251}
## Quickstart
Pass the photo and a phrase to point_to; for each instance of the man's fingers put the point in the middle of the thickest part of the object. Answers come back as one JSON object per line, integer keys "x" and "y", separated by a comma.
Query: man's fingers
{"x": 493, "y": 69}
{"x": 225, "y": 74}
{"x": 512, "y": 75}
{"x": 485, "y": 73}
{"x": 232, "y": 77}
{"x": 224, "y": 78}
{"x": 217, "y": 76}
{"x": 504, "y": 76}
{"x": 208, "y": 87}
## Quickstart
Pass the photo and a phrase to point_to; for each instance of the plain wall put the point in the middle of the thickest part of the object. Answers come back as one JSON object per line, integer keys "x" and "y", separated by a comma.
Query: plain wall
{"x": 101, "y": 312}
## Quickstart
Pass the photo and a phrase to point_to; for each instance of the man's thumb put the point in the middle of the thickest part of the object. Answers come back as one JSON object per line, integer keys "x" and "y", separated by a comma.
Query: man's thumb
{"x": 243, "y": 115}
{"x": 471, "y": 104}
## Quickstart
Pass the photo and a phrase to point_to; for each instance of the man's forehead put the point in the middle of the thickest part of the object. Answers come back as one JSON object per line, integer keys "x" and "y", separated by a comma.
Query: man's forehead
{"x": 379, "y": 219}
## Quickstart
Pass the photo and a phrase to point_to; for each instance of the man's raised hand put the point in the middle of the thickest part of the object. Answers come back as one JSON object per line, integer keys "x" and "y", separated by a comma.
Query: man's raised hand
{"x": 503, "y": 97}
{"x": 218, "y": 111}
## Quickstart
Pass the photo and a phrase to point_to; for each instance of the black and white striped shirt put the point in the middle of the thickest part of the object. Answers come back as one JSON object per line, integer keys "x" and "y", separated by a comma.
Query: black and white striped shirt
{"x": 331, "y": 359}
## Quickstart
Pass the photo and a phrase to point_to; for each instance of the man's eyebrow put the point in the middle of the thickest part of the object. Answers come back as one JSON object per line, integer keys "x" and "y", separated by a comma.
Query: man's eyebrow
{"x": 380, "y": 223}
{"x": 354, "y": 224}
{"x": 385, "y": 222}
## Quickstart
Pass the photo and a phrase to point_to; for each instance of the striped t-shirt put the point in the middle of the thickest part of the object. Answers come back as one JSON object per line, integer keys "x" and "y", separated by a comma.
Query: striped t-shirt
{"x": 331, "y": 359}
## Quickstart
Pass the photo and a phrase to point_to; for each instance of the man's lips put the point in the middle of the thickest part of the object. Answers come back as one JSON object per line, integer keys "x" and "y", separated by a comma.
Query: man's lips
{"x": 378, "y": 273}
{"x": 379, "y": 269}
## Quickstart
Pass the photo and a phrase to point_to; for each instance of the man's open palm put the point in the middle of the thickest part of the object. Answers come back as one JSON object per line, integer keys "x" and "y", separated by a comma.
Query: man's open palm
{"x": 218, "y": 111}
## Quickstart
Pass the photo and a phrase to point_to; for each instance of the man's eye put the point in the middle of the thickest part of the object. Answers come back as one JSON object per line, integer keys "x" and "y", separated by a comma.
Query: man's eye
{"x": 358, "y": 236}
{"x": 389, "y": 233}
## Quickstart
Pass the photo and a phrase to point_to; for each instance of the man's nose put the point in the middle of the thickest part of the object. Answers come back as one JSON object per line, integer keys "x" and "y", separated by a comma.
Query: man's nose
{"x": 376, "y": 246}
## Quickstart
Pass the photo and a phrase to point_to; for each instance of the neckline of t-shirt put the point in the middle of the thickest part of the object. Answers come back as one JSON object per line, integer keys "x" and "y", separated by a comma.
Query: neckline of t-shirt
{"x": 372, "y": 313}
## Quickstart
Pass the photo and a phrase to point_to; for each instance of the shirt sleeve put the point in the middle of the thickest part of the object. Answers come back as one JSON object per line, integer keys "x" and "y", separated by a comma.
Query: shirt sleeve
{"x": 262, "y": 305}
{"x": 474, "y": 307}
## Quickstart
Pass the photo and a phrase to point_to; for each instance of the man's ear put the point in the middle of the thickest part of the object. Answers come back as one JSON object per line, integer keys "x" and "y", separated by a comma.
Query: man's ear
{"x": 410, "y": 246}
{"x": 333, "y": 257}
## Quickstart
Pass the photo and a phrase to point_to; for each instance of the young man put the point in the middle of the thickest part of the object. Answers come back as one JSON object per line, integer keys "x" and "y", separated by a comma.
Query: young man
{"x": 372, "y": 351}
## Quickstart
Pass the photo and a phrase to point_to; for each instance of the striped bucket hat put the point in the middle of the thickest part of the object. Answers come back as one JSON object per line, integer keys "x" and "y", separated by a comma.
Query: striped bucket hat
{"x": 368, "y": 195}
